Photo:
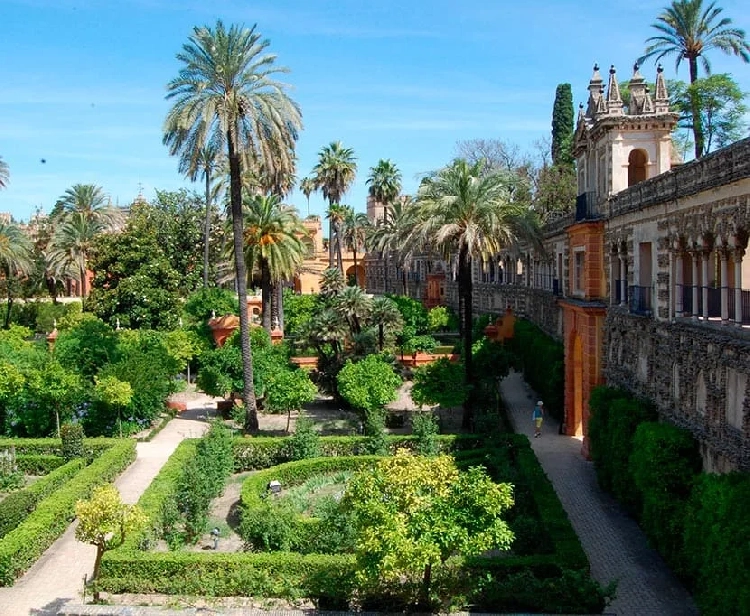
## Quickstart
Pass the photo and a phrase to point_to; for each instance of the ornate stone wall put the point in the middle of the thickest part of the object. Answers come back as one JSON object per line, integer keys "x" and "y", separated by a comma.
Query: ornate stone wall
{"x": 697, "y": 375}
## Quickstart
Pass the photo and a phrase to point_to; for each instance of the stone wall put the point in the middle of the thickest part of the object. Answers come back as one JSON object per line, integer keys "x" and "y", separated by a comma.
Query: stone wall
{"x": 696, "y": 374}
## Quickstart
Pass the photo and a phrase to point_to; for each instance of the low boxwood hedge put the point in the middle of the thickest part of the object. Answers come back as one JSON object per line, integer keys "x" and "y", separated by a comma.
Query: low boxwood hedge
{"x": 16, "y": 506}
{"x": 53, "y": 446}
{"x": 38, "y": 464}
{"x": 258, "y": 453}
{"x": 329, "y": 579}
{"x": 21, "y": 547}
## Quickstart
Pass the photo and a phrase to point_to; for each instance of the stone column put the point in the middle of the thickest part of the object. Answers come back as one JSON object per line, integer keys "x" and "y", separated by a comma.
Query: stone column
{"x": 694, "y": 259}
{"x": 677, "y": 286}
{"x": 704, "y": 282}
{"x": 724, "y": 287}
{"x": 738, "y": 255}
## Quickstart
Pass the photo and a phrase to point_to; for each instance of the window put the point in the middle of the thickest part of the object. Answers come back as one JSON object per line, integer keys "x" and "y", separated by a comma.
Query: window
{"x": 579, "y": 257}
{"x": 637, "y": 161}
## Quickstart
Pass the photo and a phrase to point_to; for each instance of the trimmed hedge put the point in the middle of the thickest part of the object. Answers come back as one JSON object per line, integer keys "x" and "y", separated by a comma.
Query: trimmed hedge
{"x": 543, "y": 361}
{"x": 21, "y": 547}
{"x": 329, "y": 579}
{"x": 263, "y": 452}
{"x": 16, "y": 506}
{"x": 717, "y": 543}
{"x": 53, "y": 446}
{"x": 38, "y": 464}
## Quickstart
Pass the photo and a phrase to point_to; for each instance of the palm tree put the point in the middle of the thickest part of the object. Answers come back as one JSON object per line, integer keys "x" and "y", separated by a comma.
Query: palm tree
{"x": 89, "y": 201}
{"x": 331, "y": 283}
{"x": 333, "y": 175}
{"x": 273, "y": 246}
{"x": 307, "y": 186}
{"x": 356, "y": 227}
{"x": 16, "y": 258}
{"x": 392, "y": 235}
{"x": 384, "y": 181}
{"x": 465, "y": 211}
{"x": 72, "y": 244}
{"x": 687, "y": 30}
{"x": 337, "y": 216}
{"x": 226, "y": 94}
{"x": 353, "y": 305}
{"x": 384, "y": 313}
{"x": 200, "y": 162}
{"x": 4, "y": 173}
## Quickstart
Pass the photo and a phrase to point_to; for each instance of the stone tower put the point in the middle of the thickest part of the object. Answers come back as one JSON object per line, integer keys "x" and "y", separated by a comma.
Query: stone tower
{"x": 620, "y": 143}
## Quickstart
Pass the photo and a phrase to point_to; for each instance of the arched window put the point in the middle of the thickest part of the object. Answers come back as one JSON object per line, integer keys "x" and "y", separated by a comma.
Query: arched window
{"x": 637, "y": 161}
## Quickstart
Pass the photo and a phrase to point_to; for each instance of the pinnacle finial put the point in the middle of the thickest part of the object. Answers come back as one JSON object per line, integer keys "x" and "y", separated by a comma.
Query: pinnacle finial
{"x": 612, "y": 69}
{"x": 635, "y": 67}
{"x": 580, "y": 105}
{"x": 596, "y": 66}
{"x": 659, "y": 69}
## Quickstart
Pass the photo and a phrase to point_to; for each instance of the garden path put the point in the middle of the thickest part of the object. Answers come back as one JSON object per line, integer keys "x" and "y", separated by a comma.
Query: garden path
{"x": 616, "y": 546}
{"x": 58, "y": 575}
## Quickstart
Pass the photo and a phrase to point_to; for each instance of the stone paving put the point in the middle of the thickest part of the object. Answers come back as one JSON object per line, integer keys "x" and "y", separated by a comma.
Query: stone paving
{"x": 57, "y": 577}
{"x": 615, "y": 545}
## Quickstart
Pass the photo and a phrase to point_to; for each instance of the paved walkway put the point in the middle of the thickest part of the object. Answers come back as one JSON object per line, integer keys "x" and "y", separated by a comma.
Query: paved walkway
{"x": 616, "y": 547}
{"x": 58, "y": 575}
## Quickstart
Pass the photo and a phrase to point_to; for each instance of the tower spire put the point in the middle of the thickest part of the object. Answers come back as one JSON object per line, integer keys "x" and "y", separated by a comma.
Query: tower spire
{"x": 661, "y": 97}
{"x": 595, "y": 92}
{"x": 614, "y": 100}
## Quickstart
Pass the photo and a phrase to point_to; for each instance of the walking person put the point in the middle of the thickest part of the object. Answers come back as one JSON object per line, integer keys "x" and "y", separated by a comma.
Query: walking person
{"x": 537, "y": 416}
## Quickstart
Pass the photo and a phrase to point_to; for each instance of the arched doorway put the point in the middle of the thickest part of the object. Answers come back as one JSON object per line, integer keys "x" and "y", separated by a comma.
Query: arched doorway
{"x": 575, "y": 421}
{"x": 637, "y": 162}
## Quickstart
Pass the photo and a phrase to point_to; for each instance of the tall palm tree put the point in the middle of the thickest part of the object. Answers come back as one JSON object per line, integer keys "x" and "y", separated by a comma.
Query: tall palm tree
{"x": 16, "y": 258}
{"x": 4, "y": 173}
{"x": 465, "y": 211}
{"x": 353, "y": 305}
{"x": 333, "y": 175}
{"x": 336, "y": 217}
{"x": 226, "y": 93}
{"x": 688, "y": 29}
{"x": 392, "y": 235}
{"x": 71, "y": 246}
{"x": 89, "y": 201}
{"x": 197, "y": 163}
{"x": 307, "y": 186}
{"x": 356, "y": 228}
{"x": 384, "y": 181}
{"x": 384, "y": 313}
{"x": 273, "y": 246}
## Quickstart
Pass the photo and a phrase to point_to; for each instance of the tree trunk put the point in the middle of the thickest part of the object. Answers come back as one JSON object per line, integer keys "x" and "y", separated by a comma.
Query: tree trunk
{"x": 385, "y": 269}
{"x": 339, "y": 256}
{"x": 279, "y": 300}
{"x": 248, "y": 390}
{"x": 207, "y": 229}
{"x": 330, "y": 237}
{"x": 696, "y": 110}
{"x": 381, "y": 335}
{"x": 465, "y": 289}
{"x": 424, "y": 595}
{"x": 356, "y": 274}
{"x": 265, "y": 294}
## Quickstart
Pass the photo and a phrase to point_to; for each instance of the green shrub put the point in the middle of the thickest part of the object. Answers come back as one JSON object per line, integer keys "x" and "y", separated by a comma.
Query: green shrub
{"x": 664, "y": 464}
{"x": 72, "y": 441}
{"x": 16, "y": 506}
{"x": 542, "y": 359}
{"x": 22, "y": 546}
{"x": 305, "y": 443}
{"x": 717, "y": 543}
{"x": 31, "y": 464}
{"x": 424, "y": 426}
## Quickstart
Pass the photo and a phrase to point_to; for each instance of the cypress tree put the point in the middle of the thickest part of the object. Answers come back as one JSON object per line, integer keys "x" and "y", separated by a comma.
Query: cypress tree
{"x": 562, "y": 126}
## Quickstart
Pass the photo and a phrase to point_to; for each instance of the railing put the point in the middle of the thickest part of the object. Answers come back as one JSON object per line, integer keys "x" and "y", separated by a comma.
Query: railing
{"x": 586, "y": 207}
{"x": 640, "y": 300}
{"x": 714, "y": 303}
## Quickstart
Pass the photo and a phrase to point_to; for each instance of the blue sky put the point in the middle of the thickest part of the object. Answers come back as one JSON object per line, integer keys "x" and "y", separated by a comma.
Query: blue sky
{"x": 84, "y": 80}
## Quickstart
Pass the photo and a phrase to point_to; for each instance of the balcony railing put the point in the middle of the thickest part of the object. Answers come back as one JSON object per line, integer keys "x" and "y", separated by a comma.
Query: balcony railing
{"x": 640, "y": 300}
{"x": 586, "y": 207}
{"x": 714, "y": 303}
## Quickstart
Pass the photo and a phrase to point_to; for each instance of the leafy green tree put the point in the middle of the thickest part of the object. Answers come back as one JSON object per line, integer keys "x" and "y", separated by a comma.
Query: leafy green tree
{"x": 412, "y": 513}
{"x": 722, "y": 110}
{"x": 440, "y": 382}
{"x": 87, "y": 347}
{"x": 105, "y": 521}
{"x": 134, "y": 282}
{"x": 413, "y": 312}
{"x": 333, "y": 174}
{"x": 465, "y": 212}
{"x": 687, "y": 29}
{"x": 226, "y": 94}
{"x": 15, "y": 260}
{"x": 114, "y": 394}
{"x": 438, "y": 318}
{"x": 563, "y": 126}
{"x": 298, "y": 309}
{"x": 367, "y": 386}
{"x": 289, "y": 390}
